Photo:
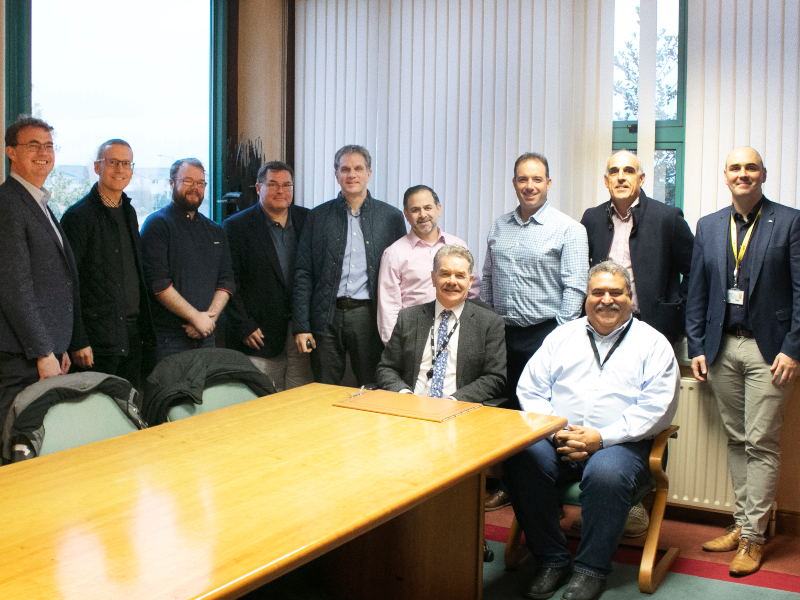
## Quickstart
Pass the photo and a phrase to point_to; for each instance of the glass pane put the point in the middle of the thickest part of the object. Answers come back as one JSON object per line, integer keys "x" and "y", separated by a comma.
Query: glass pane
{"x": 667, "y": 60}
{"x": 139, "y": 72}
{"x": 626, "y": 60}
{"x": 664, "y": 176}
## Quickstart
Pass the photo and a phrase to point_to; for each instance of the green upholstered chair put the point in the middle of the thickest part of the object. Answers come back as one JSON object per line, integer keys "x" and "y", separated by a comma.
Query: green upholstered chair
{"x": 651, "y": 573}
{"x": 77, "y": 422}
{"x": 217, "y": 396}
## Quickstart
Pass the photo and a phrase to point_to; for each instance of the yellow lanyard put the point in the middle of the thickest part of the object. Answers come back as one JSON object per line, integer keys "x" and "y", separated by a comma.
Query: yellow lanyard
{"x": 739, "y": 255}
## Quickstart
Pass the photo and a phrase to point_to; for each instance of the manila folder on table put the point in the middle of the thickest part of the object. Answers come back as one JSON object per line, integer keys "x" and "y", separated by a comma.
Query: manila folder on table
{"x": 408, "y": 405}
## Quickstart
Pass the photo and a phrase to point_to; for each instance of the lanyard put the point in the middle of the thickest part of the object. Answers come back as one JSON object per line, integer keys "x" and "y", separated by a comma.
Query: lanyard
{"x": 738, "y": 256}
{"x": 436, "y": 353}
{"x": 614, "y": 347}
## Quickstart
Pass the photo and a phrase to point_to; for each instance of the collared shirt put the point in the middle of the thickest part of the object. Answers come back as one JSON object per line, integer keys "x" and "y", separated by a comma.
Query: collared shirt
{"x": 42, "y": 197}
{"x": 191, "y": 254}
{"x": 423, "y": 385}
{"x": 354, "y": 282}
{"x": 620, "y": 250}
{"x": 633, "y": 397}
{"x": 536, "y": 270}
{"x": 285, "y": 242}
{"x": 737, "y": 316}
{"x": 405, "y": 277}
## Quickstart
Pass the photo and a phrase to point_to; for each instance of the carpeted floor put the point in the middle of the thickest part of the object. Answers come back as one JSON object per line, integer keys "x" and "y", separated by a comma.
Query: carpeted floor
{"x": 780, "y": 572}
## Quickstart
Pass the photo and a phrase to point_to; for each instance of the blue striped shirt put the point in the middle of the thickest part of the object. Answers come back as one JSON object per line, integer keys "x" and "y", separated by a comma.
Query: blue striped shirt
{"x": 535, "y": 271}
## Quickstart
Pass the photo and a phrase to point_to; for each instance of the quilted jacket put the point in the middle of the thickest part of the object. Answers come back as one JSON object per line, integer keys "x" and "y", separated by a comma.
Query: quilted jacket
{"x": 321, "y": 252}
{"x": 95, "y": 240}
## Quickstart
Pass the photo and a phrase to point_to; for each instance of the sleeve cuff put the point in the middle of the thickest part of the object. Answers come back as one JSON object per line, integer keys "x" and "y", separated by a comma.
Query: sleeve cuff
{"x": 159, "y": 287}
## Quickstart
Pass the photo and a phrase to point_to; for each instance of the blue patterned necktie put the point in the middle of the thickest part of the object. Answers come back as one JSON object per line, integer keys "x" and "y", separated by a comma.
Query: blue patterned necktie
{"x": 439, "y": 367}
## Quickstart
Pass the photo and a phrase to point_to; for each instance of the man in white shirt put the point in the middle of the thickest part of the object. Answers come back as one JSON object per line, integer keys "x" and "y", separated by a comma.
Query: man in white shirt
{"x": 405, "y": 276}
{"x": 448, "y": 348}
{"x": 616, "y": 381}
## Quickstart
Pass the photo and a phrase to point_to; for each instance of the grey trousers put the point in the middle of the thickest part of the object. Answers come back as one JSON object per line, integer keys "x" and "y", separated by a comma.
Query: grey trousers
{"x": 752, "y": 412}
{"x": 290, "y": 369}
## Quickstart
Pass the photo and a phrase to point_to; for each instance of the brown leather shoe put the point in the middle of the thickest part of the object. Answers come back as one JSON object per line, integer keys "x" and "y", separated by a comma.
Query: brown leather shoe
{"x": 747, "y": 559}
{"x": 725, "y": 543}
{"x": 496, "y": 501}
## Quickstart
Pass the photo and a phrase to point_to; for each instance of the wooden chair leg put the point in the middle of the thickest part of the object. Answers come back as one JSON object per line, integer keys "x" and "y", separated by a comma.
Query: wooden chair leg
{"x": 516, "y": 554}
{"x": 651, "y": 574}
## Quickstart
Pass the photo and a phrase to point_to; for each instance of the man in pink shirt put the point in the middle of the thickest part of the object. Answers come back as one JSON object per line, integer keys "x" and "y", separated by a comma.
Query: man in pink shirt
{"x": 405, "y": 275}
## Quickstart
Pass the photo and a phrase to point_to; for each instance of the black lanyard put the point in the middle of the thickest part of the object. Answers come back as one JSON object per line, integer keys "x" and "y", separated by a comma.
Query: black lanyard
{"x": 614, "y": 347}
{"x": 434, "y": 353}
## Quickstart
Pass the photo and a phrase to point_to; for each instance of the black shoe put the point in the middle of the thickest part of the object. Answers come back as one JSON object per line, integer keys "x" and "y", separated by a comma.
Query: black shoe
{"x": 584, "y": 587}
{"x": 545, "y": 581}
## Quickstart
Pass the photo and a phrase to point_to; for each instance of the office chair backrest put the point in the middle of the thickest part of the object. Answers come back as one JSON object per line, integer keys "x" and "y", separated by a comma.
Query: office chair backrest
{"x": 218, "y": 396}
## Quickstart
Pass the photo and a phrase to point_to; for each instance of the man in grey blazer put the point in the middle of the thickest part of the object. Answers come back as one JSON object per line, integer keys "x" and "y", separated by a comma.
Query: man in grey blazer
{"x": 39, "y": 301}
{"x": 448, "y": 348}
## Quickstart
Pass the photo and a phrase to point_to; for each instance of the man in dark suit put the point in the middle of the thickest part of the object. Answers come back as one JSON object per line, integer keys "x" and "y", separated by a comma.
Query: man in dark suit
{"x": 448, "y": 348}
{"x": 650, "y": 239}
{"x": 743, "y": 329}
{"x": 39, "y": 296}
{"x": 263, "y": 241}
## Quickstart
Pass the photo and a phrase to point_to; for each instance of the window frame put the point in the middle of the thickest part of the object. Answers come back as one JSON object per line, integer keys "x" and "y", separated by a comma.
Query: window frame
{"x": 18, "y": 81}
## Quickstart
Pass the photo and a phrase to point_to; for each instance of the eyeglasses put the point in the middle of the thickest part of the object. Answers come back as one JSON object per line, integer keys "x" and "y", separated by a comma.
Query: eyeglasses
{"x": 192, "y": 183}
{"x": 275, "y": 186}
{"x": 114, "y": 163}
{"x": 34, "y": 147}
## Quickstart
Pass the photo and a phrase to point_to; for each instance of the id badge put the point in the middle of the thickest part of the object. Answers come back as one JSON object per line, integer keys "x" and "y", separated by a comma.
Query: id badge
{"x": 735, "y": 296}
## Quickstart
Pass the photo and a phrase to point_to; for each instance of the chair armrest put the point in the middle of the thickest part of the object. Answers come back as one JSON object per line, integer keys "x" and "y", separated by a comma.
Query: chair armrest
{"x": 657, "y": 454}
{"x": 498, "y": 402}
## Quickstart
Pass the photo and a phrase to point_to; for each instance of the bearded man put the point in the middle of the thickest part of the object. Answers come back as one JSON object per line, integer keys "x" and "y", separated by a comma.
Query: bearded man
{"x": 187, "y": 263}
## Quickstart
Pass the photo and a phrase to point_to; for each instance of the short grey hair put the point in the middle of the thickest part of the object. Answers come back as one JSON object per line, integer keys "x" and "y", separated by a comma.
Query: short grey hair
{"x": 452, "y": 250}
{"x": 352, "y": 149}
{"x": 115, "y": 142}
{"x": 176, "y": 166}
{"x": 638, "y": 160}
{"x": 609, "y": 266}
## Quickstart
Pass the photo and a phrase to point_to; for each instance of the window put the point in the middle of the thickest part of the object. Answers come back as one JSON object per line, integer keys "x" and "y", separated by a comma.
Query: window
{"x": 670, "y": 91}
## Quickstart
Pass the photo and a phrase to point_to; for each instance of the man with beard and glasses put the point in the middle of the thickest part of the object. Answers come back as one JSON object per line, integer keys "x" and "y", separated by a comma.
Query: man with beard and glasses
{"x": 405, "y": 275}
{"x": 616, "y": 380}
{"x": 188, "y": 265}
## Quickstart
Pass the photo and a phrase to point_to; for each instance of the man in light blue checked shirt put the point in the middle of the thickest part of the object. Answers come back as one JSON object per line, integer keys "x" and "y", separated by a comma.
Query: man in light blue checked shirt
{"x": 534, "y": 274}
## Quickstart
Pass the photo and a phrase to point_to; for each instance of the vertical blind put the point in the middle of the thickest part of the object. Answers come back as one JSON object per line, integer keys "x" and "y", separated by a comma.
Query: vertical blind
{"x": 742, "y": 90}
{"x": 449, "y": 94}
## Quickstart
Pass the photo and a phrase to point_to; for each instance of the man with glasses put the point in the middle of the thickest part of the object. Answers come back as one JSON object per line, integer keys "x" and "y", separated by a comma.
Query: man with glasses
{"x": 39, "y": 298}
{"x": 263, "y": 242}
{"x": 187, "y": 263}
{"x": 103, "y": 231}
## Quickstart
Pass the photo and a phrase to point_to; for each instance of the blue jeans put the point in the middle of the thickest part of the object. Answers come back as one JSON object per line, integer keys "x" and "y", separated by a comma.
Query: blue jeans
{"x": 170, "y": 343}
{"x": 608, "y": 482}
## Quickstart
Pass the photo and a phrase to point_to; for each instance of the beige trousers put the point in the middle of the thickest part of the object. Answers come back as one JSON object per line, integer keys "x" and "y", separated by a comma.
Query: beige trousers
{"x": 290, "y": 369}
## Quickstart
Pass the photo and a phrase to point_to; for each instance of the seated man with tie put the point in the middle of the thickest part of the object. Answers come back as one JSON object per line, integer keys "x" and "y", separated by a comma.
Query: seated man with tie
{"x": 448, "y": 348}
{"x": 617, "y": 389}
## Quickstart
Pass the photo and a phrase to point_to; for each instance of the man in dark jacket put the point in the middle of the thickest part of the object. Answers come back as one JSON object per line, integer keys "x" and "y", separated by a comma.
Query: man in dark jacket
{"x": 39, "y": 298}
{"x": 263, "y": 241}
{"x": 103, "y": 231}
{"x": 650, "y": 239}
{"x": 336, "y": 281}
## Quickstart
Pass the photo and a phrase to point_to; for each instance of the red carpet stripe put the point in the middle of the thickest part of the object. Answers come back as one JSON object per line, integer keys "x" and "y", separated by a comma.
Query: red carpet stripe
{"x": 686, "y": 566}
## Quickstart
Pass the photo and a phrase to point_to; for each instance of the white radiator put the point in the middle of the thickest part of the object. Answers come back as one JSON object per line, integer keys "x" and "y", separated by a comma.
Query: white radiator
{"x": 698, "y": 464}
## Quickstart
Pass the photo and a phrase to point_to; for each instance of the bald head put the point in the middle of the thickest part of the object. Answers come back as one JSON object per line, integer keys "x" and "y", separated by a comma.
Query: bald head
{"x": 745, "y": 175}
{"x": 624, "y": 179}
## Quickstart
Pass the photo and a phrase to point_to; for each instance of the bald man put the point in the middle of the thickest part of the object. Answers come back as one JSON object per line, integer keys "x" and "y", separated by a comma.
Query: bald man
{"x": 743, "y": 329}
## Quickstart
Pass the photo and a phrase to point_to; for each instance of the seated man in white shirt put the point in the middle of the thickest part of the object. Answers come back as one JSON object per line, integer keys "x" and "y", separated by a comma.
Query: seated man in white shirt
{"x": 616, "y": 381}
{"x": 448, "y": 348}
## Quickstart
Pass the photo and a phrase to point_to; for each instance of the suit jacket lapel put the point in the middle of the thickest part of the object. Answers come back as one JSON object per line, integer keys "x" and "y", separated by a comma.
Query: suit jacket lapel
{"x": 722, "y": 241}
{"x": 465, "y": 340}
{"x": 421, "y": 336}
{"x": 36, "y": 208}
{"x": 759, "y": 245}
{"x": 261, "y": 232}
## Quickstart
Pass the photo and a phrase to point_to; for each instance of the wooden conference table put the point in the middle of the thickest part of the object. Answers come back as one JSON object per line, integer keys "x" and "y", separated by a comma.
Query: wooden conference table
{"x": 218, "y": 504}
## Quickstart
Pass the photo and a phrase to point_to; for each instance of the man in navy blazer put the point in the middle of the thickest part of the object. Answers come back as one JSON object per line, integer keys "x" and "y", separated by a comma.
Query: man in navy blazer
{"x": 743, "y": 329}
{"x": 263, "y": 241}
{"x": 39, "y": 298}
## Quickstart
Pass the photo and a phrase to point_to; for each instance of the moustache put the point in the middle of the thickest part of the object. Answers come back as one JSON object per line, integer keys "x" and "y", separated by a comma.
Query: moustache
{"x": 604, "y": 307}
